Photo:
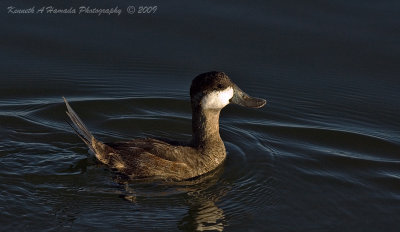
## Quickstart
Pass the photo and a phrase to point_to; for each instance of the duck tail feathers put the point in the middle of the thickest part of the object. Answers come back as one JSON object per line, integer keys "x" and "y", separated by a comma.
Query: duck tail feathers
{"x": 79, "y": 127}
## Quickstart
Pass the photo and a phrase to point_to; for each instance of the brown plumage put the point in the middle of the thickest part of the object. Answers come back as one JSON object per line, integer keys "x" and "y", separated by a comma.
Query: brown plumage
{"x": 155, "y": 158}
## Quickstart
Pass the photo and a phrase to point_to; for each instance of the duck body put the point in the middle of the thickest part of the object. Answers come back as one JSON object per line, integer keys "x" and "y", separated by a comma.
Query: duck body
{"x": 168, "y": 160}
{"x": 148, "y": 157}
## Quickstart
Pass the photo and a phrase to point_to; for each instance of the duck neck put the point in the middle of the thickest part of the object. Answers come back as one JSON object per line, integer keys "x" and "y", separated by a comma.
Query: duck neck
{"x": 205, "y": 128}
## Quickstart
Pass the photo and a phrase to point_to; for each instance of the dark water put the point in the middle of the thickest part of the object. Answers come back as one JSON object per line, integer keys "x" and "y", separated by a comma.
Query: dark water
{"x": 323, "y": 155}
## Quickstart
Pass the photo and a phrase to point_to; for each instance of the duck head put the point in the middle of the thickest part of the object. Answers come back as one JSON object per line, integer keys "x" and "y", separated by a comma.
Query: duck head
{"x": 214, "y": 90}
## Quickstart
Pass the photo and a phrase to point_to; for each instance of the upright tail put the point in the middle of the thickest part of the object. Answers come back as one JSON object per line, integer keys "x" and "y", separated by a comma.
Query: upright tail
{"x": 79, "y": 127}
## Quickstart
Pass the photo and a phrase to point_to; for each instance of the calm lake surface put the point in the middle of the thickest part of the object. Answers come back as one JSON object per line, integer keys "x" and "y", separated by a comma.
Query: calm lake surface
{"x": 322, "y": 155}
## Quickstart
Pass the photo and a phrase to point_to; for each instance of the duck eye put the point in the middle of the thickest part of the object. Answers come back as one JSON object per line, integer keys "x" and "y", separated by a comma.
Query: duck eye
{"x": 219, "y": 86}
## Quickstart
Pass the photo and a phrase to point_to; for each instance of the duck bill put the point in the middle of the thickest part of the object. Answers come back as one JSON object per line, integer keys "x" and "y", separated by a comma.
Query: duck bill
{"x": 241, "y": 98}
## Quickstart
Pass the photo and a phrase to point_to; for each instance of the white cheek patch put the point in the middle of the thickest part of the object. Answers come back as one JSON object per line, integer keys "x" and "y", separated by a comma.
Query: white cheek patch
{"x": 217, "y": 99}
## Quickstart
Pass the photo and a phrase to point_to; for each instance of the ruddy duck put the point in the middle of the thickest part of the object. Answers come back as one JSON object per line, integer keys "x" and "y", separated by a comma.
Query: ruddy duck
{"x": 160, "y": 159}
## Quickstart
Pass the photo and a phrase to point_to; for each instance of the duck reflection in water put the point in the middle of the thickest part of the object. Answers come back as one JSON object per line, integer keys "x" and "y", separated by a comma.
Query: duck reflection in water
{"x": 203, "y": 213}
{"x": 201, "y": 195}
